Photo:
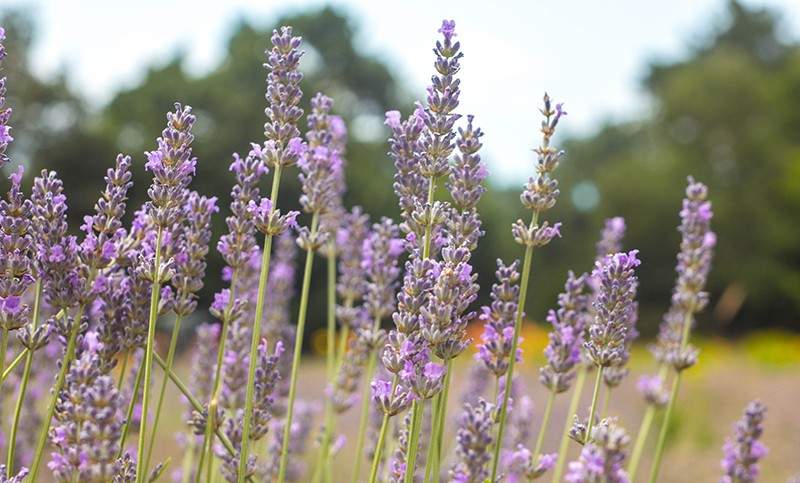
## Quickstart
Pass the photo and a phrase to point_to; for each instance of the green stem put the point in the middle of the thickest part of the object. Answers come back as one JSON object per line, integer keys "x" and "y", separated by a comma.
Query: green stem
{"x": 330, "y": 356}
{"x": 13, "y": 365}
{"x": 418, "y": 408}
{"x": 3, "y": 348}
{"x": 373, "y": 474}
{"x": 441, "y": 425}
{"x": 673, "y": 395}
{"x": 212, "y": 423}
{"x": 365, "y": 405}
{"x": 206, "y": 448}
{"x": 298, "y": 350}
{"x": 255, "y": 337}
{"x": 376, "y": 458}
{"x": 641, "y": 437}
{"x": 545, "y": 421}
{"x": 523, "y": 294}
{"x": 26, "y": 373}
{"x": 192, "y": 400}
{"x": 593, "y": 407}
{"x": 123, "y": 369}
{"x": 155, "y": 292}
{"x": 188, "y": 457}
{"x": 126, "y": 426}
{"x": 173, "y": 343}
{"x": 662, "y": 435}
{"x": 432, "y": 446}
{"x": 573, "y": 407}
{"x": 69, "y": 355}
{"x": 644, "y": 430}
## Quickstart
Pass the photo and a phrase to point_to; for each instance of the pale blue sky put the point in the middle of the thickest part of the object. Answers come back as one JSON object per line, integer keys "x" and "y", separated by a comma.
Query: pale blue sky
{"x": 588, "y": 54}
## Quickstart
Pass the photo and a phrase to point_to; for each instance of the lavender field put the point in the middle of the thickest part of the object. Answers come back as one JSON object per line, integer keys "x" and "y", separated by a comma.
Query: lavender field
{"x": 348, "y": 296}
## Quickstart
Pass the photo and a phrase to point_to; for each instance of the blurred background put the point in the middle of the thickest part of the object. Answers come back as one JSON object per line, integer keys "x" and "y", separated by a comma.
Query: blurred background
{"x": 655, "y": 92}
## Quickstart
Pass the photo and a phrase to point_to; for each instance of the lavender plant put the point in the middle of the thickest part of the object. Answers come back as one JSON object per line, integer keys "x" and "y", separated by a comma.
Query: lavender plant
{"x": 540, "y": 195}
{"x": 100, "y": 295}
{"x": 744, "y": 450}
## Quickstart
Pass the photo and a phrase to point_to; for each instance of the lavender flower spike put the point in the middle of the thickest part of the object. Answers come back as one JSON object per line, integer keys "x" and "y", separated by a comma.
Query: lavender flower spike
{"x": 473, "y": 442}
{"x": 601, "y": 460}
{"x": 613, "y": 307}
{"x": 566, "y": 339}
{"x": 498, "y": 320}
{"x": 744, "y": 450}
{"x": 5, "y": 112}
{"x": 16, "y": 247}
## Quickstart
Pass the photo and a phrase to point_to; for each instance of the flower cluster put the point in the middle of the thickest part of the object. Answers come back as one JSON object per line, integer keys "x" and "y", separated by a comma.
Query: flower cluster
{"x": 498, "y": 320}
{"x": 5, "y": 112}
{"x": 601, "y": 460}
{"x": 563, "y": 351}
{"x": 694, "y": 263}
{"x": 614, "y": 307}
{"x": 744, "y": 450}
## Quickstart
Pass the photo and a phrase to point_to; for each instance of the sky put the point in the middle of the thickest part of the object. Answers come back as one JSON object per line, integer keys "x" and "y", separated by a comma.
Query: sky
{"x": 591, "y": 55}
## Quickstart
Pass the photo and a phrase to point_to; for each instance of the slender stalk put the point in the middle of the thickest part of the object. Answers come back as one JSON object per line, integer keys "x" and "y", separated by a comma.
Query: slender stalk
{"x": 376, "y": 458}
{"x": 123, "y": 369}
{"x": 373, "y": 474}
{"x": 173, "y": 343}
{"x": 523, "y": 295}
{"x": 26, "y": 373}
{"x": 545, "y": 421}
{"x": 418, "y": 408}
{"x": 330, "y": 359}
{"x": 206, "y": 449}
{"x": 155, "y": 292}
{"x": 432, "y": 446}
{"x": 192, "y": 400}
{"x": 255, "y": 337}
{"x": 13, "y": 365}
{"x": 641, "y": 438}
{"x": 593, "y": 407}
{"x": 662, "y": 435}
{"x": 573, "y": 407}
{"x": 673, "y": 395}
{"x": 69, "y": 355}
{"x": 126, "y": 426}
{"x": 3, "y": 348}
{"x": 188, "y": 457}
{"x": 365, "y": 404}
{"x": 441, "y": 422}
{"x": 298, "y": 350}
{"x": 212, "y": 412}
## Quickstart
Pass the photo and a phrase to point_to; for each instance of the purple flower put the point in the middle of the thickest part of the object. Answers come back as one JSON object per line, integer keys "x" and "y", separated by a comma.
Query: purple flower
{"x": 694, "y": 263}
{"x": 5, "y": 112}
{"x": 104, "y": 228}
{"x": 283, "y": 146}
{"x": 652, "y": 389}
{"x": 192, "y": 247}
{"x": 567, "y": 337}
{"x": 498, "y": 320}
{"x": 87, "y": 423}
{"x": 601, "y": 459}
{"x": 405, "y": 149}
{"x": 744, "y": 450}
{"x": 473, "y": 443}
{"x": 611, "y": 237}
{"x": 448, "y": 29}
{"x": 280, "y": 290}
{"x": 319, "y": 171}
{"x": 16, "y": 249}
{"x": 270, "y": 221}
{"x": 173, "y": 167}
{"x": 380, "y": 263}
{"x": 614, "y": 305}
